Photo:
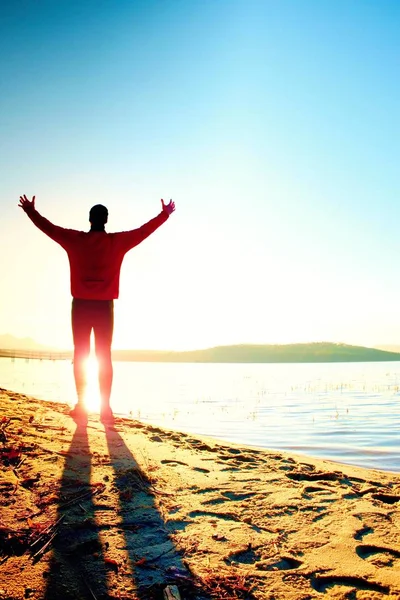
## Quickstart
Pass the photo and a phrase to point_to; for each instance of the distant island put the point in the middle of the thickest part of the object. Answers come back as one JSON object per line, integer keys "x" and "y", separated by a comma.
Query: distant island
{"x": 316, "y": 352}
{"x": 252, "y": 353}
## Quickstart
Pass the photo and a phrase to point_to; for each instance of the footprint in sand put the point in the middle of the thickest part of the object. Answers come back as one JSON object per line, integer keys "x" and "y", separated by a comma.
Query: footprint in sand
{"x": 318, "y": 498}
{"x": 374, "y": 517}
{"x": 175, "y": 525}
{"x": 285, "y": 563}
{"x": 214, "y": 515}
{"x": 321, "y": 583}
{"x": 225, "y": 516}
{"x": 173, "y": 463}
{"x": 228, "y": 497}
{"x": 251, "y": 557}
{"x": 237, "y": 496}
{"x": 288, "y": 463}
{"x": 317, "y": 490}
{"x": 316, "y": 476}
{"x": 237, "y": 462}
{"x": 199, "y": 445}
{"x": 379, "y": 555}
{"x": 177, "y": 437}
{"x": 361, "y": 533}
{"x": 206, "y": 490}
{"x": 214, "y": 501}
{"x": 236, "y": 458}
{"x": 386, "y": 498}
{"x": 247, "y": 557}
{"x": 176, "y": 463}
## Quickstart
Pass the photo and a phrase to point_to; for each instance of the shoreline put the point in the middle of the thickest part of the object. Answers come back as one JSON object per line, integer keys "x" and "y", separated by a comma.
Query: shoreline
{"x": 139, "y": 508}
{"x": 375, "y": 448}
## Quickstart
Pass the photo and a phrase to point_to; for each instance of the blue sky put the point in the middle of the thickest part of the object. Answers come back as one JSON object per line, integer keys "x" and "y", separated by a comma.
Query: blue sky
{"x": 273, "y": 125}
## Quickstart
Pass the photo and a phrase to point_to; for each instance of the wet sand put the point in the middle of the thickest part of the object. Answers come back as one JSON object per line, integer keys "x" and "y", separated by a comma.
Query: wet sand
{"x": 129, "y": 511}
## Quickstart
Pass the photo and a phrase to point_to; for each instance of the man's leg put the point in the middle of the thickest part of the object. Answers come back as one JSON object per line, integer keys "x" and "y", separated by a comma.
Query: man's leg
{"x": 103, "y": 333}
{"x": 81, "y": 329}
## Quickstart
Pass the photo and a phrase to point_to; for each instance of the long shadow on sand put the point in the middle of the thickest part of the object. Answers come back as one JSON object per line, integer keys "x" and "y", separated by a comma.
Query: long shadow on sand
{"x": 74, "y": 568}
{"x": 116, "y": 541}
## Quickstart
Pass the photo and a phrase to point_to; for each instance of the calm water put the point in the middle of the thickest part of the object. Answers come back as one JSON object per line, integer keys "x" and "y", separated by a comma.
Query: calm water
{"x": 348, "y": 412}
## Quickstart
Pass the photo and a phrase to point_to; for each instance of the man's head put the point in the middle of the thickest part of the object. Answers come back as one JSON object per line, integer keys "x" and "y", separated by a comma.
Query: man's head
{"x": 98, "y": 216}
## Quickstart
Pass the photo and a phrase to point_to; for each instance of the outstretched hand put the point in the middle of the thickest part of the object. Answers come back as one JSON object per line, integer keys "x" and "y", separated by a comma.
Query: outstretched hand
{"x": 26, "y": 204}
{"x": 168, "y": 208}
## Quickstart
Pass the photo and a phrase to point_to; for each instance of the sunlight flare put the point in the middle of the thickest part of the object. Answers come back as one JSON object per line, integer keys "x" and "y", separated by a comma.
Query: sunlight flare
{"x": 92, "y": 396}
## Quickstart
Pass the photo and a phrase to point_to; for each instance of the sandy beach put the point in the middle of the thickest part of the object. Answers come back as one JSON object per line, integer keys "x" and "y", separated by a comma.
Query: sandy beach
{"x": 138, "y": 512}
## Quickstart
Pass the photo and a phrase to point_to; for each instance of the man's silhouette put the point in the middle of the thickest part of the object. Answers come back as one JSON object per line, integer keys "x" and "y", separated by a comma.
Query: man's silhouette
{"x": 95, "y": 259}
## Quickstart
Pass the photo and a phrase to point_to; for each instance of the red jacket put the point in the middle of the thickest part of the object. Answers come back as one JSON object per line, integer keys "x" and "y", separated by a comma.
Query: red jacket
{"x": 95, "y": 257}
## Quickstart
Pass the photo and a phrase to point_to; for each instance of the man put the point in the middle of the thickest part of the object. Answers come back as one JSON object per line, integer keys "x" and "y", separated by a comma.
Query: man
{"x": 95, "y": 259}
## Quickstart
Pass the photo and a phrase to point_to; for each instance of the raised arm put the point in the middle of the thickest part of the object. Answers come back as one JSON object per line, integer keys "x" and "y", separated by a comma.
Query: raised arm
{"x": 56, "y": 233}
{"x": 168, "y": 208}
{"x": 130, "y": 239}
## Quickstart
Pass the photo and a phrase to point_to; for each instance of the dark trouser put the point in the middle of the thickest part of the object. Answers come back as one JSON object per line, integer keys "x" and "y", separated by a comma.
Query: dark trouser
{"x": 99, "y": 316}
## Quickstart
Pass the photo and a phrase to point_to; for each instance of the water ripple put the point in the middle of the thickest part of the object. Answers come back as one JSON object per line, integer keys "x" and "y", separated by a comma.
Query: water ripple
{"x": 347, "y": 412}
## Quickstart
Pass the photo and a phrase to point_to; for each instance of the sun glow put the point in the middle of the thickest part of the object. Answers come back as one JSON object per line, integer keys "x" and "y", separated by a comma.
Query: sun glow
{"x": 92, "y": 395}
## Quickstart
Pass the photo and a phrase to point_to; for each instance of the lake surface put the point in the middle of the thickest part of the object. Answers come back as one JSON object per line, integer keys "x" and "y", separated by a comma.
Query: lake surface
{"x": 347, "y": 412}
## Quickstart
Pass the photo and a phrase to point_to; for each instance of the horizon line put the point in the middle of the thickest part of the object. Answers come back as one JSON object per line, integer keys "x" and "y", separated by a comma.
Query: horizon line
{"x": 59, "y": 349}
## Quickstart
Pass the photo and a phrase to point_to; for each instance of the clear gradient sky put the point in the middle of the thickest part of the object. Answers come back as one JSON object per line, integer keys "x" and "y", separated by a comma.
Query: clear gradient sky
{"x": 275, "y": 128}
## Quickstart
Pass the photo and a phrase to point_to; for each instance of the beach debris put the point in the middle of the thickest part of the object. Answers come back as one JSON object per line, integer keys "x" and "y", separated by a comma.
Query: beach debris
{"x": 132, "y": 479}
{"x": 11, "y": 452}
{"x": 178, "y": 572}
{"x": 12, "y": 543}
{"x": 84, "y": 576}
{"x": 112, "y": 563}
{"x": 91, "y": 592}
{"x": 219, "y": 538}
{"x": 39, "y": 546}
{"x": 11, "y": 455}
{"x": 227, "y": 587}
{"x": 81, "y": 495}
{"x": 28, "y": 592}
{"x": 171, "y": 592}
{"x": 223, "y": 587}
{"x": 162, "y": 492}
{"x": 44, "y": 426}
{"x": 4, "y": 423}
{"x": 35, "y": 539}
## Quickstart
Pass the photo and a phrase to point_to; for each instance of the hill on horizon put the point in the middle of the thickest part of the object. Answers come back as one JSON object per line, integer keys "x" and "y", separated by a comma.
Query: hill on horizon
{"x": 240, "y": 353}
{"x": 11, "y": 342}
{"x": 260, "y": 353}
